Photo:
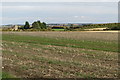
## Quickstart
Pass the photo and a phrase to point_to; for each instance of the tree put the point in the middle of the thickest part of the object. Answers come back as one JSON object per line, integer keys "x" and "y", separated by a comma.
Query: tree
{"x": 44, "y": 25}
{"x": 26, "y": 26}
{"x": 71, "y": 26}
{"x": 35, "y": 25}
{"x": 40, "y": 24}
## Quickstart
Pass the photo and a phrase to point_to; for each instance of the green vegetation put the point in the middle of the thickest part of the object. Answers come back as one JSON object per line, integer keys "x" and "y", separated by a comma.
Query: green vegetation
{"x": 58, "y": 29}
{"x": 26, "y": 26}
{"x": 39, "y": 25}
{"x": 109, "y": 26}
{"x": 96, "y": 45}
{"x": 42, "y": 26}
{"x": 7, "y": 75}
{"x": 36, "y": 26}
{"x": 28, "y": 56}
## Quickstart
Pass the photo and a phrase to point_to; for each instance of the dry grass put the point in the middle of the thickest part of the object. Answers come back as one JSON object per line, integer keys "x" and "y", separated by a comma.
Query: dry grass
{"x": 80, "y": 35}
{"x": 23, "y": 59}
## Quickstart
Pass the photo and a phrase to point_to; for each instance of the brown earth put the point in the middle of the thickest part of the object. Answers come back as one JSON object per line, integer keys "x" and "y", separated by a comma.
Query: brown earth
{"x": 35, "y": 60}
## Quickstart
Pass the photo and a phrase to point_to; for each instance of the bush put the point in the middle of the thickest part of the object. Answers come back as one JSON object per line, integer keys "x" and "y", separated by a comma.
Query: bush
{"x": 115, "y": 28}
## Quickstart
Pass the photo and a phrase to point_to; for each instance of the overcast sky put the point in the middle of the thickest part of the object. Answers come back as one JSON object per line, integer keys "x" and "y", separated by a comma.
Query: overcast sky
{"x": 59, "y": 0}
{"x": 59, "y": 12}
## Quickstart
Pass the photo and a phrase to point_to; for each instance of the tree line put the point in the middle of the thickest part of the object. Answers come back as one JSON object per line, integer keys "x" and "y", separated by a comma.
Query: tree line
{"x": 35, "y": 25}
{"x": 38, "y": 25}
{"x": 110, "y": 26}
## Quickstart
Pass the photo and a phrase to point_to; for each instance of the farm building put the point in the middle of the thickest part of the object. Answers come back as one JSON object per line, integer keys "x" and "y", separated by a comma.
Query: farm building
{"x": 14, "y": 28}
{"x": 11, "y": 27}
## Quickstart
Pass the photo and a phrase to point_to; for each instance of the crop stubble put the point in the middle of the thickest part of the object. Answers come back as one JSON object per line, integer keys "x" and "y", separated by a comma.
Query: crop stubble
{"x": 37, "y": 60}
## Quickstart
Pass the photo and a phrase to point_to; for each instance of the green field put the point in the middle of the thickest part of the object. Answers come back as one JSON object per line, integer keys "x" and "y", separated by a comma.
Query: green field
{"x": 58, "y": 29}
{"x": 32, "y": 55}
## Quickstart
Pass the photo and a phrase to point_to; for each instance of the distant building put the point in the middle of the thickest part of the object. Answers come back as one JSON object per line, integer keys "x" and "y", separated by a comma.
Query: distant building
{"x": 11, "y": 27}
{"x": 14, "y": 28}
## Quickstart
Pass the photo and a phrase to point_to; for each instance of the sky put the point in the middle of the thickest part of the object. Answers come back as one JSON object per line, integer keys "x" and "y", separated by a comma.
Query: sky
{"x": 59, "y": 0}
{"x": 59, "y": 12}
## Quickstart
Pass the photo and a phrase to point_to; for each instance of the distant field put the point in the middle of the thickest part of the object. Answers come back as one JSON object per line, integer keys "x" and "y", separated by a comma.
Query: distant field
{"x": 58, "y": 29}
{"x": 60, "y": 54}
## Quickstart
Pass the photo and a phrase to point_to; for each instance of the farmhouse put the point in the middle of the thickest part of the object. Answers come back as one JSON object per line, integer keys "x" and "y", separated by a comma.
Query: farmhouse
{"x": 14, "y": 28}
{"x": 11, "y": 27}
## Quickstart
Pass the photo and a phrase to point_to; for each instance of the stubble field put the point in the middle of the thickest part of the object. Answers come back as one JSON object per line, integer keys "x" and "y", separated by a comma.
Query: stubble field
{"x": 60, "y": 54}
